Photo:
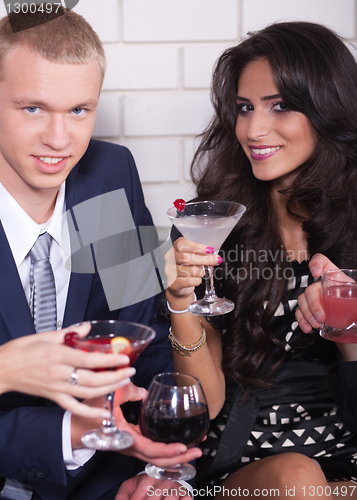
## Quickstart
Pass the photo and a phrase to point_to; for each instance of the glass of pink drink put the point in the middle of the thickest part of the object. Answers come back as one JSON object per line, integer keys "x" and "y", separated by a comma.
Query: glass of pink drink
{"x": 208, "y": 222}
{"x": 339, "y": 297}
{"x": 119, "y": 337}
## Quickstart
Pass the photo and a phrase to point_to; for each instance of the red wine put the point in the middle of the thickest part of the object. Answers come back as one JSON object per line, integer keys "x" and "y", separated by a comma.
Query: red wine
{"x": 159, "y": 421}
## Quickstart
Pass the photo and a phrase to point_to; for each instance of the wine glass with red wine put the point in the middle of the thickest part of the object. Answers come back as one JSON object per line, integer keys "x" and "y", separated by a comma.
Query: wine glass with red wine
{"x": 118, "y": 337}
{"x": 174, "y": 410}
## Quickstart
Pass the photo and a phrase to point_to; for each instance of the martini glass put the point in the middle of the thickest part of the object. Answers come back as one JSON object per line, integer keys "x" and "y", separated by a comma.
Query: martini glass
{"x": 174, "y": 410}
{"x": 120, "y": 337}
{"x": 208, "y": 222}
{"x": 339, "y": 297}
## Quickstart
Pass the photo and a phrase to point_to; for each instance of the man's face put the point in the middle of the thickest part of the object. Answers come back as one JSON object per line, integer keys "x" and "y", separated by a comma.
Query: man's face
{"x": 47, "y": 115}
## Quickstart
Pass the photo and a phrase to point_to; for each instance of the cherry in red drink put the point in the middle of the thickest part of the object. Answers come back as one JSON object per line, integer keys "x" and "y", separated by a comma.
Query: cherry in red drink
{"x": 118, "y": 337}
{"x": 131, "y": 347}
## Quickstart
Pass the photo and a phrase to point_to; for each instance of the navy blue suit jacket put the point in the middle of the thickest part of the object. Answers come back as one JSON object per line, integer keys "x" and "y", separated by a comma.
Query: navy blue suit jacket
{"x": 31, "y": 428}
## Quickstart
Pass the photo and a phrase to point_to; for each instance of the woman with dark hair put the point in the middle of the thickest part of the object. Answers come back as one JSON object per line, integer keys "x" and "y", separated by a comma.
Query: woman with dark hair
{"x": 283, "y": 142}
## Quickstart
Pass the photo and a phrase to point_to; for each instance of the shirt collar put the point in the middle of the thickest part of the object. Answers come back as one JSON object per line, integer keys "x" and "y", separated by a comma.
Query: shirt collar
{"x": 22, "y": 231}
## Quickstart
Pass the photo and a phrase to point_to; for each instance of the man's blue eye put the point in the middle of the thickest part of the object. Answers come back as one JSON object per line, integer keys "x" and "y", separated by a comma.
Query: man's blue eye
{"x": 77, "y": 111}
{"x": 32, "y": 109}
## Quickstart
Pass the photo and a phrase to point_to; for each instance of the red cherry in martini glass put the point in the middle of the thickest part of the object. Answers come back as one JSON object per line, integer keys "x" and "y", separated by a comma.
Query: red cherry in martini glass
{"x": 119, "y": 337}
{"x": 179, "y": 204}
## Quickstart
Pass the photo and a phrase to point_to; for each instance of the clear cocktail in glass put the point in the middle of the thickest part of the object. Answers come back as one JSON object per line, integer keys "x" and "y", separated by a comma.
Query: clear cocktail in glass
{"x": 208, "y": 222}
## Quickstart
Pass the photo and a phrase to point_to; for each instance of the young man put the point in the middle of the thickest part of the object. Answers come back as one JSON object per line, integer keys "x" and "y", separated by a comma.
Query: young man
{"x": 50, "y": 81}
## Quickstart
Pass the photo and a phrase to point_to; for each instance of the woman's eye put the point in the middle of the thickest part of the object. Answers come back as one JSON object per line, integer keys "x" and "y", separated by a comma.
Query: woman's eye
{"x": 281, "y": 106}
{"x": 244, "y": 108}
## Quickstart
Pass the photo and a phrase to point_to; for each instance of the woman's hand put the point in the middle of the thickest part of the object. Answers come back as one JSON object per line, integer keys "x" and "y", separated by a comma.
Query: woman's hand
{"x": 310, "y": 313}
{"x": 42, "y": 366}
{"x": 184, "y": 270}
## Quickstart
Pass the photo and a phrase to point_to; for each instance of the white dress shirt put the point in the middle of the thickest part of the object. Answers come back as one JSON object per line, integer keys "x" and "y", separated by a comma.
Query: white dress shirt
{"x": 22, "y": 232}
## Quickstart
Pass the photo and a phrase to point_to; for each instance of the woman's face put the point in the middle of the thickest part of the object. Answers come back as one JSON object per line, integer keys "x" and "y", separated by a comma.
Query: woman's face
{"x": 275, "y": 139}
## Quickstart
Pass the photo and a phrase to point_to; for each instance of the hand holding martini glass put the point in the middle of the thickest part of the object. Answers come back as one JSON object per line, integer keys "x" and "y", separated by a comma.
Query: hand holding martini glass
{"x": 118, "y": 337}
{"x": 207, "y": 222}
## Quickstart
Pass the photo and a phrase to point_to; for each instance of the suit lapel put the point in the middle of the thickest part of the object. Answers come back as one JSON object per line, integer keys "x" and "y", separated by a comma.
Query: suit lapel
{"x": 79, "y": 188}
{"x": 13, "y": 304}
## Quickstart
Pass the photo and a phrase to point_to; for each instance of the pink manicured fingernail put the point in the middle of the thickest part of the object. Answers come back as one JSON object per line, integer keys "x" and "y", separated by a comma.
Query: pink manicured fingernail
{"x": 209, "y": 250}
{"x": 219, "y": 259}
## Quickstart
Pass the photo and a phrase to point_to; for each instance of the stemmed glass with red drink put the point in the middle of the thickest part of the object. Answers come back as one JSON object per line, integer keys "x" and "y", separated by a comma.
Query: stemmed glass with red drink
{"x": 174, "y": 410}
{"x": 119, "y": 337}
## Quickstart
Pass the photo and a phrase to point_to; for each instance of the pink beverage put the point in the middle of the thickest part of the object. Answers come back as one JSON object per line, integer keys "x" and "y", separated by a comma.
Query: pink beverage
{"x": 130, "y": 346}
{"x": 340, "y": 305}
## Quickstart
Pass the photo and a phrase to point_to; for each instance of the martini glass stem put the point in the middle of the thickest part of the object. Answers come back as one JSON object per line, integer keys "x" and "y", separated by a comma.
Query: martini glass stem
{"x": 109, "y": 424}
{"x": 210, "y": 293}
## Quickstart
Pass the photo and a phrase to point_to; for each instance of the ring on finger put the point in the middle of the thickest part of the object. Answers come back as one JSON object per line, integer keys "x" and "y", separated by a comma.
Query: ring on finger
{"x": 74, "y": 379}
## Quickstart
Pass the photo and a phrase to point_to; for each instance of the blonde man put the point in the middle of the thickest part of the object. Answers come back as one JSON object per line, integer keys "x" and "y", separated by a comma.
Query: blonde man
{"x": 50, "y": 81}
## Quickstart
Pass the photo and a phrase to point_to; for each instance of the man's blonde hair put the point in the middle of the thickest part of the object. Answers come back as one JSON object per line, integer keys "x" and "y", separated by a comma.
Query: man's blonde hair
{"x": 68, "y": 39}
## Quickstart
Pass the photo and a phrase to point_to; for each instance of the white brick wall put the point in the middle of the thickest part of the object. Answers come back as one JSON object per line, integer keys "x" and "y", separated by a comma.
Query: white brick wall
{"x": 160, "y": 55}
{"x": 338, "y": 15}
{"x": 133, "y": 67}
{"x": 165, "y": 113}
{"x": 179, "y": 20}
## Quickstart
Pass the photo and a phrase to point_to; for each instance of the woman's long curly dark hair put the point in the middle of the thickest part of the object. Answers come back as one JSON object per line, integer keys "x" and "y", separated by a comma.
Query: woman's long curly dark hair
{"x": 316, "y": 75}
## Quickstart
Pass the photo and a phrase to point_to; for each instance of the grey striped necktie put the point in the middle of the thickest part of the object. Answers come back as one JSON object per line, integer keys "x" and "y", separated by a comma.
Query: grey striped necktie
{"x": 42, "y": 286}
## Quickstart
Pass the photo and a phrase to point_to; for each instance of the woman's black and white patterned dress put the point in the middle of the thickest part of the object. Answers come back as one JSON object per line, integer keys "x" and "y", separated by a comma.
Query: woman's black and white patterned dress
{"x": 298, "y": 414}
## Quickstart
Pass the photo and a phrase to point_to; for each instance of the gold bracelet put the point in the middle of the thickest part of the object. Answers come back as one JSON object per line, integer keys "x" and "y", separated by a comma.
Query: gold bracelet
{"x": 187, "y": 349}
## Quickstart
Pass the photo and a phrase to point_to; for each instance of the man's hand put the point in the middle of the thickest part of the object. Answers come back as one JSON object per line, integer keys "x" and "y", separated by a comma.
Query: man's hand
{"x": 310, "y": 313}
{"x": 160, "y": 454}
{"x": 80, "y": 425}
{"x": 142, "y": 487}
{"x": 143, "y": 448}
